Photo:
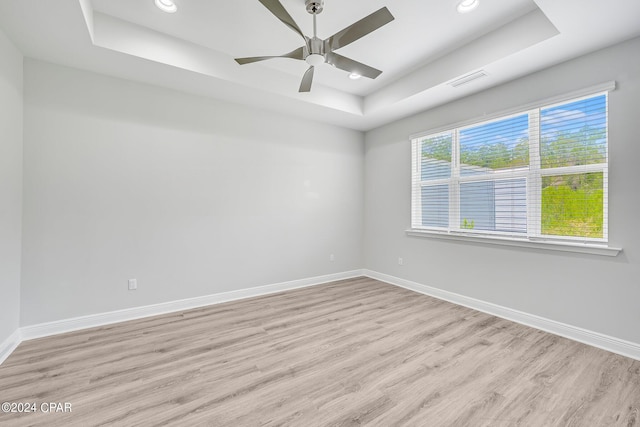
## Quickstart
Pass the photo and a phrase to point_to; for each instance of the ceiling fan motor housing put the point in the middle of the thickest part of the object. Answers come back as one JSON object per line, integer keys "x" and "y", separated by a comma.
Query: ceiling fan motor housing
{"x": 314, "y": 7}
{"x": 316, "y": 46}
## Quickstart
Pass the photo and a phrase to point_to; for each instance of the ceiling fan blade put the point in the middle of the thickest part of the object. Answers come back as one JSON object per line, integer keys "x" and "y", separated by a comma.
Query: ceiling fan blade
{"x": 305, "y": 85}
{"x": 281, "y": 13}
{"x": 359, "y": 29}
{"x": 294, "y": 54}
{"x": 352, "y": 66}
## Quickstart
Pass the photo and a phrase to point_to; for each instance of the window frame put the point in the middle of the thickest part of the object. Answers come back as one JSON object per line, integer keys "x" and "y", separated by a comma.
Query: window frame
{"x": 533, "y": 175}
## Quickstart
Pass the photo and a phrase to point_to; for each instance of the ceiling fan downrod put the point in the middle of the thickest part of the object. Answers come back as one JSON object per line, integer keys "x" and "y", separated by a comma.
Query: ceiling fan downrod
{"x": 315, "y": 45}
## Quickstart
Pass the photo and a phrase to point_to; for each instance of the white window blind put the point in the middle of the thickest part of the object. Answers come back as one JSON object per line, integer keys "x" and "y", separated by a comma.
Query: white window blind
{"x": 539, "y": 174}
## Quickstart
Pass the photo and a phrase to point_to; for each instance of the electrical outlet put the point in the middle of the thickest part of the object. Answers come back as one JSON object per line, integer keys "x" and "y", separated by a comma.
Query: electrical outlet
{"x": 332, "y": 257}
{"x": 133, "y": 284}
{"x": 400, "y": 261}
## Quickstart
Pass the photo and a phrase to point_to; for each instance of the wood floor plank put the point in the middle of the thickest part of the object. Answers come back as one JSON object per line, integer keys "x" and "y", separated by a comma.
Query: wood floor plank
{"x": 352, "y": 352}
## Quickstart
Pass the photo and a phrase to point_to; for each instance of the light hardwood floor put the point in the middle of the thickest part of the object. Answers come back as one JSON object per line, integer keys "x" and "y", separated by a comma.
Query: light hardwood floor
{"x": 345, "y": 353}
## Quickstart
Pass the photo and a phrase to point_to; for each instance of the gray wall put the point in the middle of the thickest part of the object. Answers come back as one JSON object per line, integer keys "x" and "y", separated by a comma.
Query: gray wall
{"x": 10, "y": 185}
{"x": 601, "y": 294}
{"x": 193, "y": 196}
{"x": 189, "y": 195}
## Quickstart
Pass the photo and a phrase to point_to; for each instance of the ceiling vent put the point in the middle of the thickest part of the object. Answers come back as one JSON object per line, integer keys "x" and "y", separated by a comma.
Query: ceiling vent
{"x": 468, "y": 78}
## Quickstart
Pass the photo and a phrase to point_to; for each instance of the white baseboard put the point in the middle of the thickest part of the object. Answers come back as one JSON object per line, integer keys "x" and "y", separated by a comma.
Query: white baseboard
{"x": 8, "y": 345}
{"x": 101, "y": 319}
{"x": 595, "y": 339}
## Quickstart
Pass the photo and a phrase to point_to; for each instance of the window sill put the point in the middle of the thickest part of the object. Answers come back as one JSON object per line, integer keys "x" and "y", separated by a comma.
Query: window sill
{"x": 584, "y": 248}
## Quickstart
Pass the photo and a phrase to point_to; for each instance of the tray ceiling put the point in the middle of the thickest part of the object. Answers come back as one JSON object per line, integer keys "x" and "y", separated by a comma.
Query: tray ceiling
{"x": 427, "y": 46}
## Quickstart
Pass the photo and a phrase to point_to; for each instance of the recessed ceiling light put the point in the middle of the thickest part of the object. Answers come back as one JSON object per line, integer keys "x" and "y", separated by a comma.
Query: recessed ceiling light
{"x": 354, "y": 76}
{"x": 166, "y": 5}
{"x": 467, "y": 5}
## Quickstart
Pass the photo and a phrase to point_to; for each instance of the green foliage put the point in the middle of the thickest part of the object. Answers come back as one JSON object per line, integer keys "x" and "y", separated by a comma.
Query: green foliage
{"x": 492, "y": 156}
{"x": 497, "y": 155}
{"x": 584, "y": 147}
{"x": 469, "y": 225}
{"x": 572, "y": 205}
{"x": 437, "y": 147}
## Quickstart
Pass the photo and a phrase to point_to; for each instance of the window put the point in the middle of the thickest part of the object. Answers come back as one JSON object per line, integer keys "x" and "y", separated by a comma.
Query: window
{"x": 539, "y": 175}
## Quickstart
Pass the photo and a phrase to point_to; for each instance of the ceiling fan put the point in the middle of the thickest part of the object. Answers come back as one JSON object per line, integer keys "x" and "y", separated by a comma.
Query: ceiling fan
{"x": 316, "y": 51}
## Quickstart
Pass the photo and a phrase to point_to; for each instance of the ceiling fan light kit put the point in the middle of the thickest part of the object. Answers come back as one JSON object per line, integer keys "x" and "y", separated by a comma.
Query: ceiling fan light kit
{"x": 316, "y": 51}
{"x": 314, "y": 59}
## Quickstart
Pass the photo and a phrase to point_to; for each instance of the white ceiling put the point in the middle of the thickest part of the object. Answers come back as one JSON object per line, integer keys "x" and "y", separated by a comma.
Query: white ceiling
{"x": 427, "y": 45}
